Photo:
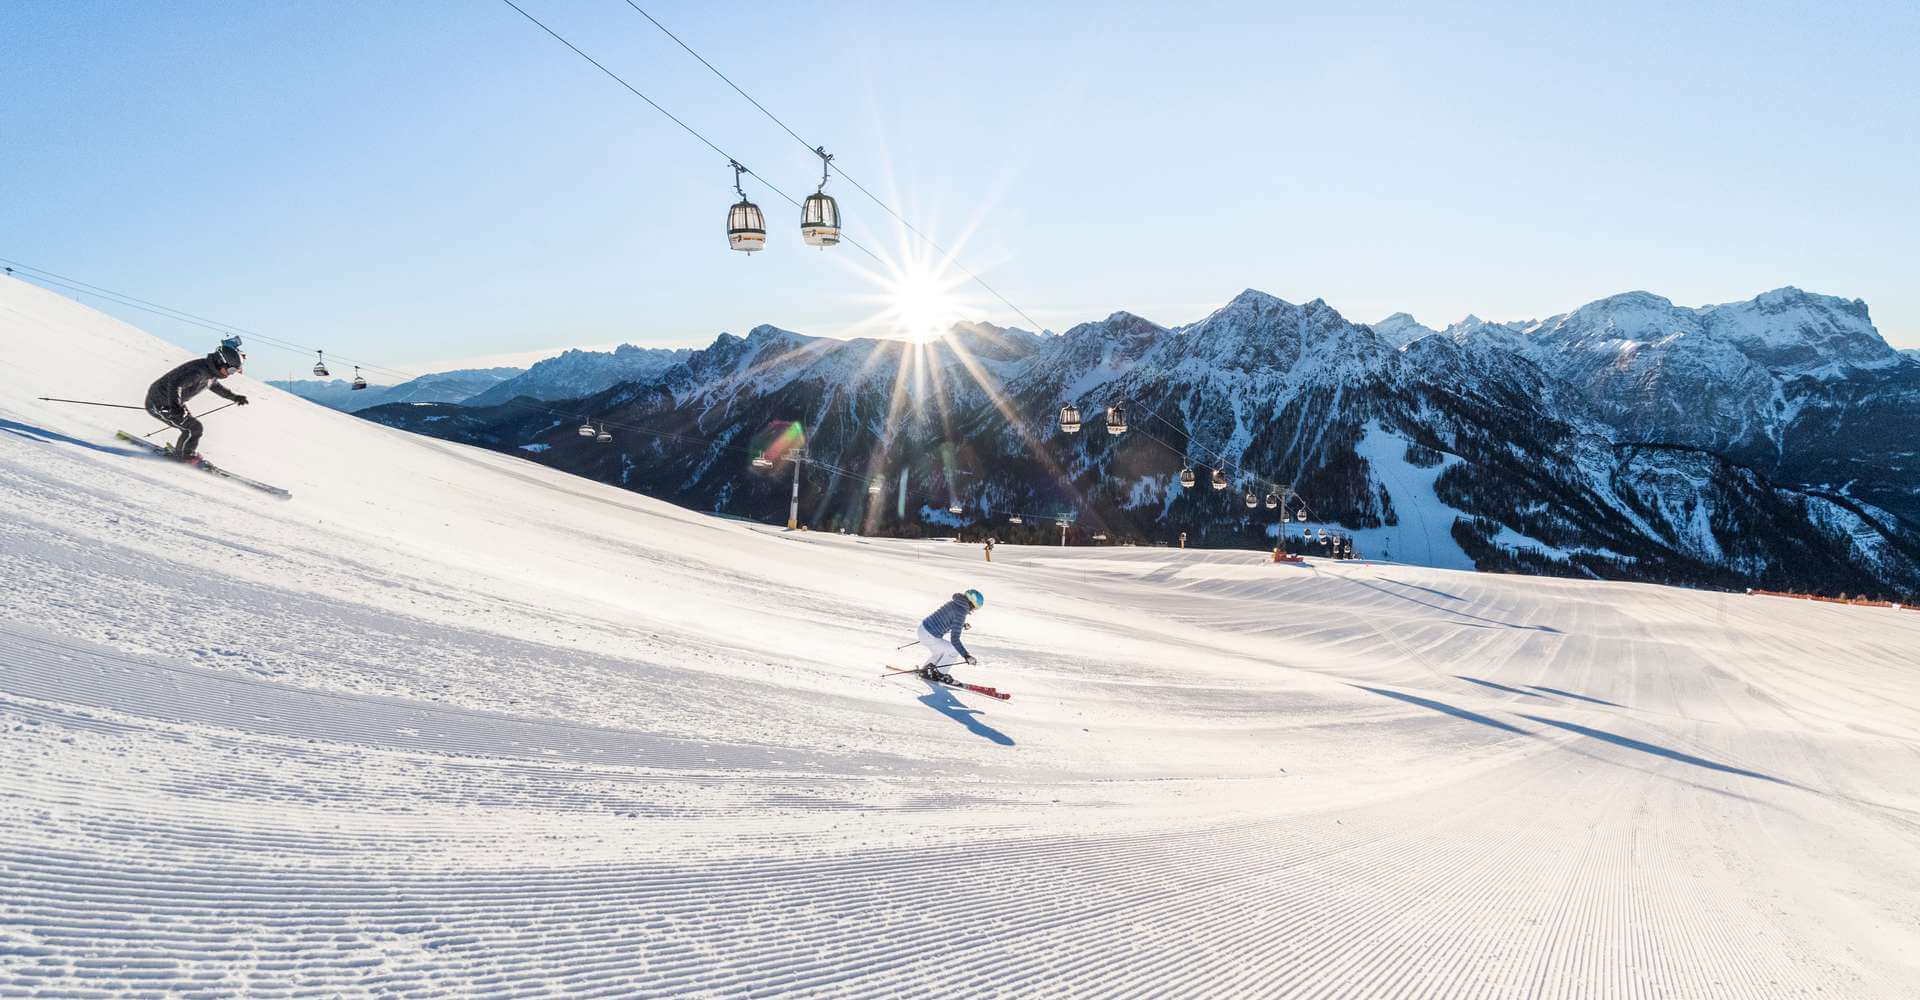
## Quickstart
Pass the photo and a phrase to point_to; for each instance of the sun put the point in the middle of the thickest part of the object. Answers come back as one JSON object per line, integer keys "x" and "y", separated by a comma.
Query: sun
{"x": 915, "y": 299}
{"x": 921, "y": 306}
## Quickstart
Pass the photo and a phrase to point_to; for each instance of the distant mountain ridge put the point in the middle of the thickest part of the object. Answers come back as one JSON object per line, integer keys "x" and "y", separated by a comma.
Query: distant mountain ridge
{"x": 440, "y": 387}
{"x": 574, "y": 374}
{"x": 1764, "y": 443}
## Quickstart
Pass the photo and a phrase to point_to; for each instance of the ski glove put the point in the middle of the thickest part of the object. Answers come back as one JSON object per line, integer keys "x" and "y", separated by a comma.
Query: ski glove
{"x": 971, "y": 661}
{"x": 240, "y": 400}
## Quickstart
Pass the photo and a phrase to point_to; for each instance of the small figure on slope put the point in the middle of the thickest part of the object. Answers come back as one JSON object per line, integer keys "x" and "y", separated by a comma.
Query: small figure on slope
{"x": 940, "y": 634}
{"x": 167, "y": 397}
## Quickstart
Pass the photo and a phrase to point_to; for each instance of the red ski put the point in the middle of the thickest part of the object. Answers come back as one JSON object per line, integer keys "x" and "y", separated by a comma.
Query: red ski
{"x": 962, "y": 685}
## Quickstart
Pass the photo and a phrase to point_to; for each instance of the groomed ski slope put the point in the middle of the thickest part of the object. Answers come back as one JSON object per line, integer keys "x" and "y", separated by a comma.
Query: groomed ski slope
{"x": 450, "y": 723}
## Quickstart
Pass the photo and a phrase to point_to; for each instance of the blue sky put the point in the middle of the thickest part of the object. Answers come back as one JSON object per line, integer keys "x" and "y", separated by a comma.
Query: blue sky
{"x": 426, "y": 182}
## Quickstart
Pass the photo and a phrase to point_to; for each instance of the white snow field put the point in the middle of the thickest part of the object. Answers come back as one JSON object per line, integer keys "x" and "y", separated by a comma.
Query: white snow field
{"x": 450, "y": 723}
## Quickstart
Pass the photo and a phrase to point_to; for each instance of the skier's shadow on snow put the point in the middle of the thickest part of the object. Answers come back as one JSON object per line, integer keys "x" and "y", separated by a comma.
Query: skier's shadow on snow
{"x": 40, "y": 435}
{"x": 941, "y": 700}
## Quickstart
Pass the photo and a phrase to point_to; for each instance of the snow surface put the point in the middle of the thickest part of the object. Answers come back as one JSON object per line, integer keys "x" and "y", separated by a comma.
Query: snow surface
{"x": 452, "y": 723}
{"x": 1424, "y": 532}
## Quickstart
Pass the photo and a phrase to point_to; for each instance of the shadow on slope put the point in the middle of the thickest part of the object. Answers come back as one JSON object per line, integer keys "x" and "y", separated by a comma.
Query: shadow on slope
{"x": 941, "y": 700}
{"x": 1452, "y": 611}
{"x": 42, "y": 436}
{"x": 1570, "y": 694}
{"x": 1498, "y": 687}
{"x": 1598, "y": 734}
{"x": 1441, "y": 706}
{"x": 1415, "y": 586}
{"x": 1658, "y": 751}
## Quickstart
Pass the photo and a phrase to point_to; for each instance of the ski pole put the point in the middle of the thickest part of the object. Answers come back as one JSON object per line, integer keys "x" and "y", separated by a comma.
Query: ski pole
{"x": 209, "y": 413}
{"x": 89, "y": 402}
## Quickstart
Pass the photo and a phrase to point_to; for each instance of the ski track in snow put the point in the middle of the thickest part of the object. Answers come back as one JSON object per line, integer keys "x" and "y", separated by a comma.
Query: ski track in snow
{"x": 449, "y": 723}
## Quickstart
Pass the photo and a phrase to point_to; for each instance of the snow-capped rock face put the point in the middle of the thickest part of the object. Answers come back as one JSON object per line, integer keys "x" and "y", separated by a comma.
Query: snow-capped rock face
{"x": 1066, "y": 366}
{"x": 1657, "y": 372}
{"x": 1785, "y": 333}
{"x": 1796, "y": 333}
{"x": 574, "y": 374}
{"x": 1257, "y": 332}
{"x": 1730, "y": 377}
{"x": 1401, "y": 329}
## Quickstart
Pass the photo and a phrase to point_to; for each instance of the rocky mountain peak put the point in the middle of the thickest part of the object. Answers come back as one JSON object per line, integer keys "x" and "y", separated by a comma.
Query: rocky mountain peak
{"x": 1401, "y": 329}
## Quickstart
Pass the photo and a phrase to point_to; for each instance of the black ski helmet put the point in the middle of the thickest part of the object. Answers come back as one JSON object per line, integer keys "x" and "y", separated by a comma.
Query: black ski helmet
{"x": 228, "y": 356}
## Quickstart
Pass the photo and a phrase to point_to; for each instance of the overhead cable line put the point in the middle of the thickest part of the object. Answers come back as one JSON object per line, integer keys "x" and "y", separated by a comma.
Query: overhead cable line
{"x": 690, "y": 130}
{"x": 949, "y": 255}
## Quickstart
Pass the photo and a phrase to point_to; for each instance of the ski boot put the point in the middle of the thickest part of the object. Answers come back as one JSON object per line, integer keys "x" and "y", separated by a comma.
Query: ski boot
{"x": 933, "y": 673}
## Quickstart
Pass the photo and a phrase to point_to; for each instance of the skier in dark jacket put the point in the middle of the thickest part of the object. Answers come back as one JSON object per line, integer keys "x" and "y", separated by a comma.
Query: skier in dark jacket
{"x": 940, "y": 634}
{"x": 167, "y": 397}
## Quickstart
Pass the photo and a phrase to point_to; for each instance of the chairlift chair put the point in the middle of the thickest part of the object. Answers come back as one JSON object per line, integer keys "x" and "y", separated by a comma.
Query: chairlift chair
{"x": 1219, "y": 479}
{"x": 1116, "y": 419}
{"x": 873, "y": 488}
{"x": 604, "y": 436}
{"x": 955, "y": 508}
{"x": 820, "y": 214}
{"x": 320, "y": 365}
{"x": 1187, "y": 479}
{"x": 586, "y": 430}
{"x": 762, "y": 462}
{"x": 1015, "y": 519}
{"x": 1300, "y": 515}
{"x": 358, "y": 382}
{"x": 1272, "y": 501}
{"x": 1070, "y": 418}
{"x": 746, "y": 226}
{"x": 1252, "y": 501}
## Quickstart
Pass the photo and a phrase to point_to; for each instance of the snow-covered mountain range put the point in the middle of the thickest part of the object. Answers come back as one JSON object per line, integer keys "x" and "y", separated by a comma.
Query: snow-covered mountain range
{"x": 1759, "y": 443}
{"x": 578, "y": 374}
{"x": 440, "y": 387}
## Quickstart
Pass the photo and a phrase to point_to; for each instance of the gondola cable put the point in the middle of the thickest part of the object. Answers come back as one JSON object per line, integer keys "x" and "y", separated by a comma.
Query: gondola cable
{"x": 948, "y": 255}
{"x": 690, "y": 130}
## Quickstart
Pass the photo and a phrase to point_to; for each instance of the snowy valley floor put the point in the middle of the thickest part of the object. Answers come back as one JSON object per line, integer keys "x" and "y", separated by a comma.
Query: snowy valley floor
{"x": 450, "y": 723}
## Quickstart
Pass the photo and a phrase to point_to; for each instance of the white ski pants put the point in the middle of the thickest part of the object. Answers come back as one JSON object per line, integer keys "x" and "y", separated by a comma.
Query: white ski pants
{"x": 940, "y": 652}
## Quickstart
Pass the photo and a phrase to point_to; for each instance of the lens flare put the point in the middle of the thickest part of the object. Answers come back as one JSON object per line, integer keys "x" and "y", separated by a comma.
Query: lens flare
{"x": 777, "y": 442}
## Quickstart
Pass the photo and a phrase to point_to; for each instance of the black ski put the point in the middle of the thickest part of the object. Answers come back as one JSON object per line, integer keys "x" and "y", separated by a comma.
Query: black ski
{"x": 205, "y": 466}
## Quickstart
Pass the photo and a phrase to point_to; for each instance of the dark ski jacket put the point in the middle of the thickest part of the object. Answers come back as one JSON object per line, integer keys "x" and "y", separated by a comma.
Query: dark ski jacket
{"x": 949, "y": 620}
{"x": 172, "y": 390}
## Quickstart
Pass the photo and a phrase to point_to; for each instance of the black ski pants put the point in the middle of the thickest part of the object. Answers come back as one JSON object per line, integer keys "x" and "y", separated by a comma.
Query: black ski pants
{"x": 180, "y": 418}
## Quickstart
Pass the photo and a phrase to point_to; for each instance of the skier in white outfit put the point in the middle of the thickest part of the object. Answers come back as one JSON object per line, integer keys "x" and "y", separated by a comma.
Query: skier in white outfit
{"x": 940, "y": 634}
